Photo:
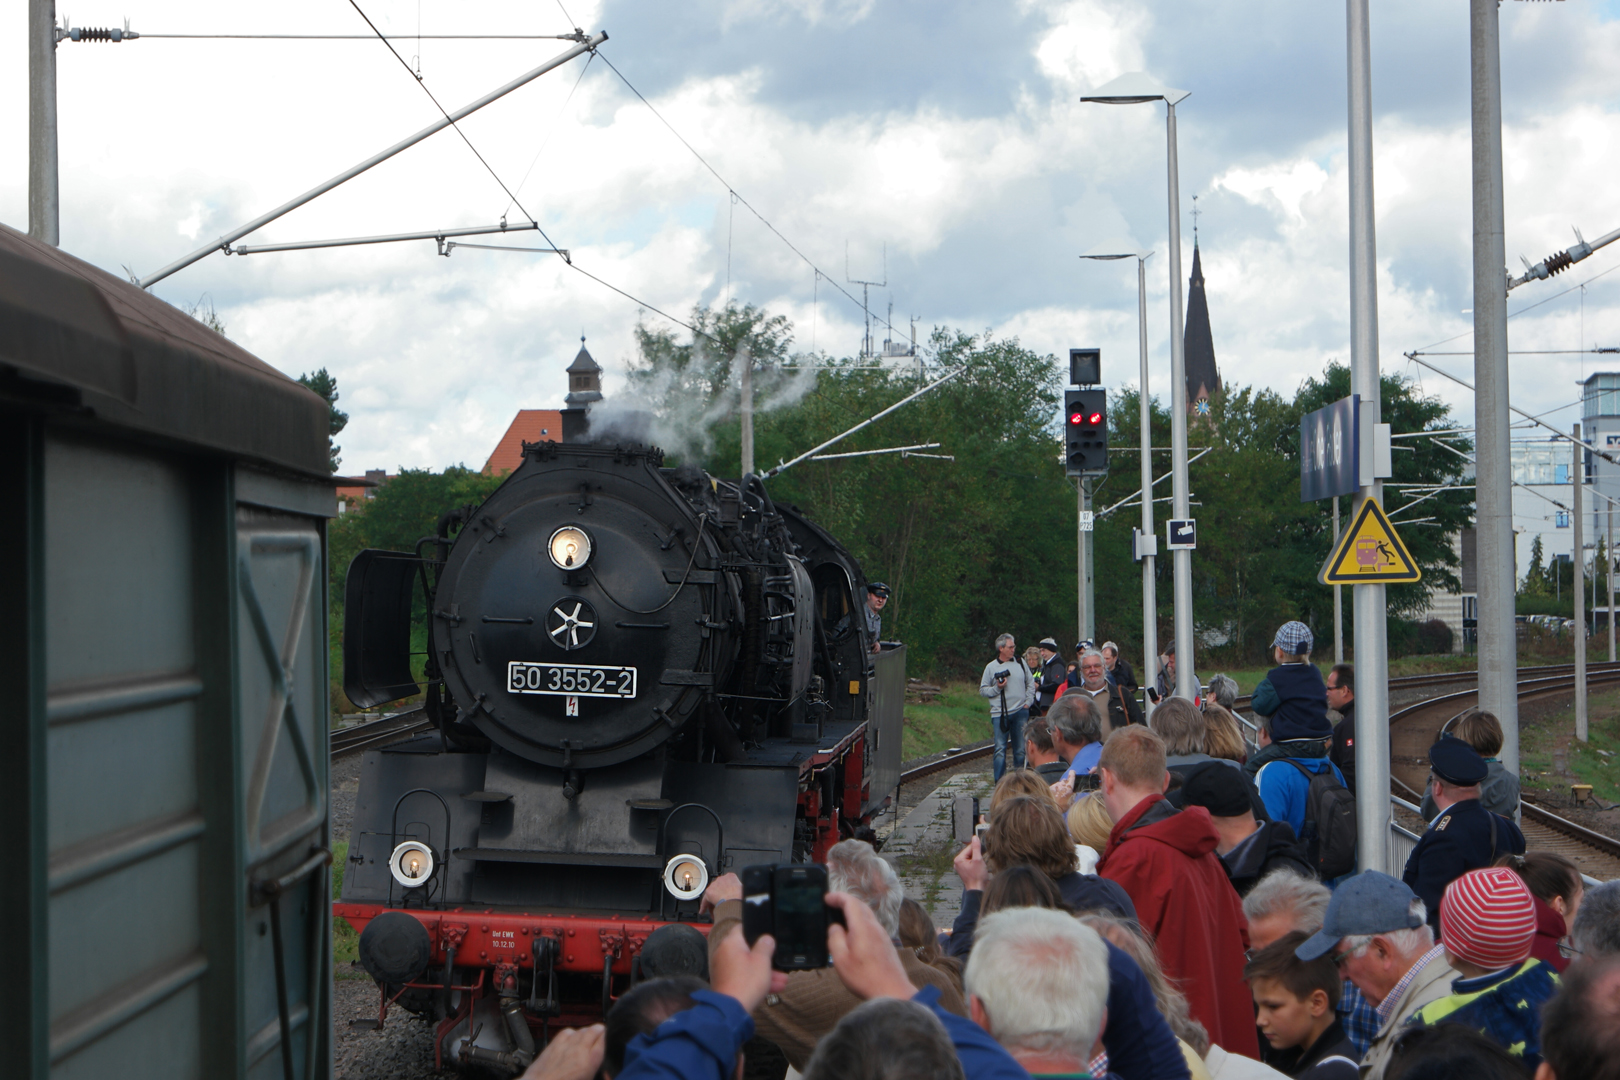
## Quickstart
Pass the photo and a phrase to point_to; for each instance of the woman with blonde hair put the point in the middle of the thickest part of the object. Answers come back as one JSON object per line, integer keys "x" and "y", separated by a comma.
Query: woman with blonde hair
{"x": 1224, "y": 737}
{"x": 1089, "y": 823}
{"x": 1016, "y": 782}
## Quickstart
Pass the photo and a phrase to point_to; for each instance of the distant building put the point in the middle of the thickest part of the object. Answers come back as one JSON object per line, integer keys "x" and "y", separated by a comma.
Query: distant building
{"x": 1198, "y": 345}
{"x": 529, "y": 425}
{"x": 1542, "y": 499}
{"x": 353, "y": 490}
{"x": 584, "y": 378}
{"x": 541, "y": 425}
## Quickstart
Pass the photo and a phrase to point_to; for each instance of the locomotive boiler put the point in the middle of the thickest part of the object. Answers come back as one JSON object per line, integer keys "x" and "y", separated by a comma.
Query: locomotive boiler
{"x": 639, "y": 678}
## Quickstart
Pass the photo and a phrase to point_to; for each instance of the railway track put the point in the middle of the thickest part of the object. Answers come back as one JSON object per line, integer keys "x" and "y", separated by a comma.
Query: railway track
{"x": 1412, "y": 731}
{"x": 378, "y": 732}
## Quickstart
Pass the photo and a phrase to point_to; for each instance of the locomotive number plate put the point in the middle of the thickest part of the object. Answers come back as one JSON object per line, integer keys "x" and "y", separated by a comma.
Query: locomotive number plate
{"x": 571, "y": 680}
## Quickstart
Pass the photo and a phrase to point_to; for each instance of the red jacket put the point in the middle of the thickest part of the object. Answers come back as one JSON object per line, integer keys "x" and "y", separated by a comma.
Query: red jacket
{"x": 1166, "y": 861}
{"x": 1550, "y": 930}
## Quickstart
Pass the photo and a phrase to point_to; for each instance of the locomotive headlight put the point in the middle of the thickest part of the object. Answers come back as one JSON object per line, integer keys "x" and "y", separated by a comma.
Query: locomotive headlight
{"x": 411, "y": 864}
{"x": 570, "y": 547}
{"x": 686, "y": 877}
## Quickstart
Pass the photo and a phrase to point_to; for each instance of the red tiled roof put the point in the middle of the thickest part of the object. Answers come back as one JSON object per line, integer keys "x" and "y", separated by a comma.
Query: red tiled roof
{"x": 529, "y": 425}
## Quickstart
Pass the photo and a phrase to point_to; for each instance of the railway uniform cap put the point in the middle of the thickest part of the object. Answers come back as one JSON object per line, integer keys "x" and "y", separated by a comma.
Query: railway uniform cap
{"x": 1293, "y": 638}
{"x": 877, "y": 588}
{"x": 1221, "y": 790}
{"x": 1369, "y": 903}
{"x": 1488, "y": 919}
{"x": 1457, "y": 763}
{"x": 1048, "y": 643}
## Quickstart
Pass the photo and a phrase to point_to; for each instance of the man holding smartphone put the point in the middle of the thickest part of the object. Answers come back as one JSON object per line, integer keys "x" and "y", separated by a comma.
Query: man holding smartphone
{"x": 1010, "y": 688}
{"x": 810, "y": 1004}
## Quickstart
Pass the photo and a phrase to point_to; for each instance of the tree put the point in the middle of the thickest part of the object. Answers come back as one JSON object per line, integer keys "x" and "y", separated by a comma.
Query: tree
{"x": 203, "y": 311}
{"x": 1536, "y": 582}
{"x": 1420, "y": 464}
{"x": 399, "y": 514}
{"x": 326, "y": 386}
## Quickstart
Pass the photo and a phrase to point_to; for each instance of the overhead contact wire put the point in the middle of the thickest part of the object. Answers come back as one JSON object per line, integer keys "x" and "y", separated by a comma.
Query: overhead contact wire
{"x": 445, "y": 113}
{"x": 733, "y": 191}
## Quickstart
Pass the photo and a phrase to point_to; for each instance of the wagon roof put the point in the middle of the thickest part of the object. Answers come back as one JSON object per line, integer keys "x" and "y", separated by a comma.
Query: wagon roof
{"x": 77, "y": 336}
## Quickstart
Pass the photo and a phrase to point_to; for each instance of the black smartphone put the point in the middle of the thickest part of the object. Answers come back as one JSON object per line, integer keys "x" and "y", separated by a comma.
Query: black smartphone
{"x": 789, "y": 902}
{"x": 1153, "y": 695}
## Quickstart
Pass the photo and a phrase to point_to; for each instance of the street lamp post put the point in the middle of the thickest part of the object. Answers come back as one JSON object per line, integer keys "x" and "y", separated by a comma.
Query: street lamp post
{"x": 1123, "y": 249}
{"x": 1134, "y": 89}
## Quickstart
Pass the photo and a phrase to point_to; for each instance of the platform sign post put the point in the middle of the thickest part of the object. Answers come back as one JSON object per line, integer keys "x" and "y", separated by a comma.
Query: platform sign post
{"x": 1330, "y": 450}
{"x": 1577, "y": 480}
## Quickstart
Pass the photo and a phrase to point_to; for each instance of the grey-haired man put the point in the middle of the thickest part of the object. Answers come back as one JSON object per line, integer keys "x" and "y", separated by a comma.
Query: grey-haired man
{"x": 1010, "y": 687}
{"x": 1377, "y": 932}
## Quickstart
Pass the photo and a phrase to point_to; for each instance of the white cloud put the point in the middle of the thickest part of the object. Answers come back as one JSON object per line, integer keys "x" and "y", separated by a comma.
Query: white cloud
{"x": 167, "y": 144}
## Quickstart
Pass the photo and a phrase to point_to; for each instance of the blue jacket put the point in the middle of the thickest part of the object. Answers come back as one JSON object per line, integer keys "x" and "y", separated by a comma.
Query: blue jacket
{"x": 1295, "y": 697}
{"x": 1284, "y": 788}
{"x": 1140, "y": 1044}
{"x": 702, "y": 1043}
{"x": 1506, "y": 1005}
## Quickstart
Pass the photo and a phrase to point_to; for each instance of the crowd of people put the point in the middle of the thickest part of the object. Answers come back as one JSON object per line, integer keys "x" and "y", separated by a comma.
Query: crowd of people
{"x": 1162, "y": 899}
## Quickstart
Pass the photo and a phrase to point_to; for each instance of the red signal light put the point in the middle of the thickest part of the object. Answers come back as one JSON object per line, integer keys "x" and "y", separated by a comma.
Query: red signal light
{"x": 1094, "y": 418}
{"x": 1077, "y": 418}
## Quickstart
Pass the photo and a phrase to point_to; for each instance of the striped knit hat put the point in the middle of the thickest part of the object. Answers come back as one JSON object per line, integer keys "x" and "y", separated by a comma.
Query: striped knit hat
{"x": 1488, "y": 919}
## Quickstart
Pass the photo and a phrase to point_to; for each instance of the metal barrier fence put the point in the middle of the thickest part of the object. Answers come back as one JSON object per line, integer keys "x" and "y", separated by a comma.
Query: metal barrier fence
{"x": 1401, "y": 839}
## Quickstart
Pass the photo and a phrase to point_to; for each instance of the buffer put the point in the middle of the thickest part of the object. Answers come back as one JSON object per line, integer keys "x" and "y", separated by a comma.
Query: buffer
{"x": 1369, "y": 553}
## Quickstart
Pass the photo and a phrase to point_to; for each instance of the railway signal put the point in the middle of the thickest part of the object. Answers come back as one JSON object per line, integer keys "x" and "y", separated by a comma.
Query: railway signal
{"x": 1085, "y": 431}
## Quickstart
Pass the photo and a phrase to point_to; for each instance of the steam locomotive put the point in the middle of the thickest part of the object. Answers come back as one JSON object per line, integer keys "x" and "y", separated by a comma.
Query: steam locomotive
{"x": 639, "y": 678}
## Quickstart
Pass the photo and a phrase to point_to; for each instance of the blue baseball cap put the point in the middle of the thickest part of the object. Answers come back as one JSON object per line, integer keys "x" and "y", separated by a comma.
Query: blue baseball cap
{"x": 1369, "y": 903}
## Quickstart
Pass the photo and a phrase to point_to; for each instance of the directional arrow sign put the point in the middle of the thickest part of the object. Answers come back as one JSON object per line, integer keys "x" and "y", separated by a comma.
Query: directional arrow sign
{"x": 1369, "y": 552}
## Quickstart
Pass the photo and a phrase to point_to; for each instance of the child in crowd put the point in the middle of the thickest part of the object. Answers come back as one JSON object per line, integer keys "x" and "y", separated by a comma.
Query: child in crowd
{"x": 1499, "y": 791}
{"x": 1295, "y": 1002}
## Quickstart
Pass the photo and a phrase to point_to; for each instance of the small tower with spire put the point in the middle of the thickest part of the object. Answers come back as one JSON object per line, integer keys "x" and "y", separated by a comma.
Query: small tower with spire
{"x": 1198, "y": 345}
{"x": 584, "y": 378}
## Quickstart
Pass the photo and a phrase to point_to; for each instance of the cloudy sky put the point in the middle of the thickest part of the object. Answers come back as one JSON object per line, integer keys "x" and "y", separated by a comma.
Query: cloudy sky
{"x": 941, "y": 142}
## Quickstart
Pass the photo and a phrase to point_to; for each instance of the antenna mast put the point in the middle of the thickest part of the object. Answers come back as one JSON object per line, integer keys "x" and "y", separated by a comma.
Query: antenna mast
{"x": 867, "y": 352}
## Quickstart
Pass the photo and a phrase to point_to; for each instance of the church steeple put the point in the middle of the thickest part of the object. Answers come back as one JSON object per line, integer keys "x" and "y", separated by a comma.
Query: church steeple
{"x": 584, "y": 378}
{"x": 1198, "y": 346}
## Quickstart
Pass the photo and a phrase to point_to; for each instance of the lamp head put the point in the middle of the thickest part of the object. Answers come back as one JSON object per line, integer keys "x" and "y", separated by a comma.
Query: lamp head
{"x": 1116, "y": 247}
{"x": 1134, "y": 88}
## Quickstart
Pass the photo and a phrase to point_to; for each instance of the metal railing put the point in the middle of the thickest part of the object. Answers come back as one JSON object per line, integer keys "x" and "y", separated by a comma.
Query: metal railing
{"x": 1401, "y": 839}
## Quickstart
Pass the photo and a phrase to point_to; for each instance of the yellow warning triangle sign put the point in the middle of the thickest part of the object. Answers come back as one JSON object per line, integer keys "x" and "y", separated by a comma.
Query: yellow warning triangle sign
{"x": 1369, "y": 552}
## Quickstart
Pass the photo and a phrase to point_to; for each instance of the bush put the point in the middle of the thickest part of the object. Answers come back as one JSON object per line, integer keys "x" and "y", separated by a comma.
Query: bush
{"x": 1410, "y": 638}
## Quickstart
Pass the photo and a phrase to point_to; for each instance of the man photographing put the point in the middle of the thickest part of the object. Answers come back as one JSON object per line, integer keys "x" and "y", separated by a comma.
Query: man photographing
{"x": 1010, "y": 688}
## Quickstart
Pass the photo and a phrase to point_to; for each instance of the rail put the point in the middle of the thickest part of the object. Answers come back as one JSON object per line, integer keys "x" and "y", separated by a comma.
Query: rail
{"x": 378, "y": 732}
{"x": 1533, "y": 681}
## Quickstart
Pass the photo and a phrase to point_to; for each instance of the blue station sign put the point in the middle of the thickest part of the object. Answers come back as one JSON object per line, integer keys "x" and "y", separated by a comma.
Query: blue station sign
{"x": 1330, "y": 450}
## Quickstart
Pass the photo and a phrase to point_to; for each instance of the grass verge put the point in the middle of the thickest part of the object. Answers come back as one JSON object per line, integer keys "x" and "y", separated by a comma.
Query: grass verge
{"x": 1551, "y": 759}
{"x": 957, "y": 717}
{"x": 345, "y": 942}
